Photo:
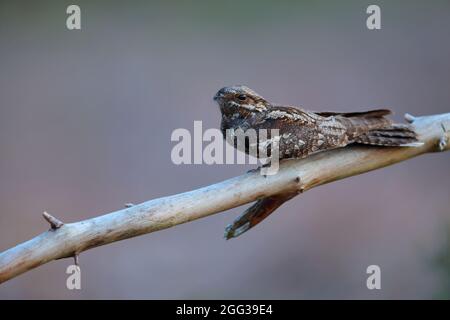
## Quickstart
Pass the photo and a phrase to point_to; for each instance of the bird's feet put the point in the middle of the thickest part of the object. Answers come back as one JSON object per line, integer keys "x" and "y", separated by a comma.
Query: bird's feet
{"x": 267, "y": 165}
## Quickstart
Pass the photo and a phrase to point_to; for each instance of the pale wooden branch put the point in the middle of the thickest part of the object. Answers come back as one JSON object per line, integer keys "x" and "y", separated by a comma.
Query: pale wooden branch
{"x": 70, "y": 239}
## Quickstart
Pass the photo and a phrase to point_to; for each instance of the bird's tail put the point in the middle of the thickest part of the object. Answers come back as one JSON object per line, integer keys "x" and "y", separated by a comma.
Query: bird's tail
{"x": 373, "y": 128}
{"x": 393, "y": 136}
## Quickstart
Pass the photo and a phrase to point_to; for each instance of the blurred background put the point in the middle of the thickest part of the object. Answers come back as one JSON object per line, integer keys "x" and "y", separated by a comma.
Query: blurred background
{"x": 85, "y": 124}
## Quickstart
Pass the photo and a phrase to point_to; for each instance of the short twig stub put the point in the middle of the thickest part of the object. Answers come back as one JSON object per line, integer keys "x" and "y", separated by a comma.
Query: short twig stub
{"x": 409, "y": 117}
{"x": 76, "y": 259}
{"x": 54, "y": 223}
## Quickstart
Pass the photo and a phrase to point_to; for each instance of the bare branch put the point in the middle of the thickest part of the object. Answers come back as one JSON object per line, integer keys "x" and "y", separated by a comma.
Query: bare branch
{"x": 68, "y": 240}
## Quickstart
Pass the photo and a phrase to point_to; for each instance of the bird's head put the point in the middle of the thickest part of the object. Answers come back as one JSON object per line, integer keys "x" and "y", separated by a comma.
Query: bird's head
{"x": 240, "y": 99}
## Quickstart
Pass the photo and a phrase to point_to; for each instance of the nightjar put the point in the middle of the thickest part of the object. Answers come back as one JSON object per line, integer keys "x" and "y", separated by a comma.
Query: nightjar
{"x": 301, "y": 133}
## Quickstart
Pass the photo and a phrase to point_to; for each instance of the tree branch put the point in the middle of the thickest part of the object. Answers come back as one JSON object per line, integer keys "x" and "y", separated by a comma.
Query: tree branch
{"x": 70, "y": 239}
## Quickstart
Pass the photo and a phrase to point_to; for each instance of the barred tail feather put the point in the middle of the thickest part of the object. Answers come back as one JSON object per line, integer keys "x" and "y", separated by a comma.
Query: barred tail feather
{"x": 395, "y": 135}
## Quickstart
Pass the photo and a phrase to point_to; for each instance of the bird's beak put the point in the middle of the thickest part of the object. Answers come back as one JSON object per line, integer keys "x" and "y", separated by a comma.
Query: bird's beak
{"x": 218, "y": 96}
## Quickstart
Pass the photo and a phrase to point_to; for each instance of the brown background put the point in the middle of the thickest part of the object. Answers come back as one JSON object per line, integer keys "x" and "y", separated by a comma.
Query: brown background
{"x": 86, "y": 118}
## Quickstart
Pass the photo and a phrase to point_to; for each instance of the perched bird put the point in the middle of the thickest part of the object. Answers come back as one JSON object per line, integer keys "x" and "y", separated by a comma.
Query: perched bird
{"x": 302, "y": 133}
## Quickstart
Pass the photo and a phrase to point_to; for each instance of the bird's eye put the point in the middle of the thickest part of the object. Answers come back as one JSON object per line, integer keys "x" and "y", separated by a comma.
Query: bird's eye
{"x": 242, "y": 97}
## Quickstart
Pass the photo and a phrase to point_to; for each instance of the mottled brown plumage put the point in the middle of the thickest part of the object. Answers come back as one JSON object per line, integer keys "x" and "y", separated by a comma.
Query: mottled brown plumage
{"x": 301, "y": 133}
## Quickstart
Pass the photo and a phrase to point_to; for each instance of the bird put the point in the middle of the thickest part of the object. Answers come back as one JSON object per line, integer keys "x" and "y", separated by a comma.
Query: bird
{"x": 301, "y": 134}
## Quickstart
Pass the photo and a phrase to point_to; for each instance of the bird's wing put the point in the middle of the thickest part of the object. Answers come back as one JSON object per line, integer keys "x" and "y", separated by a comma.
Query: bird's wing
{"x": 371, "y": 113}
{"x": 293, "y": 114}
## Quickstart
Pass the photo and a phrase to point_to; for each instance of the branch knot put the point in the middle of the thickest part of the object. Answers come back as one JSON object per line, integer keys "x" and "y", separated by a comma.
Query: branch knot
{"x": 300, "y": 187}
{"x": 444, "y": 140}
